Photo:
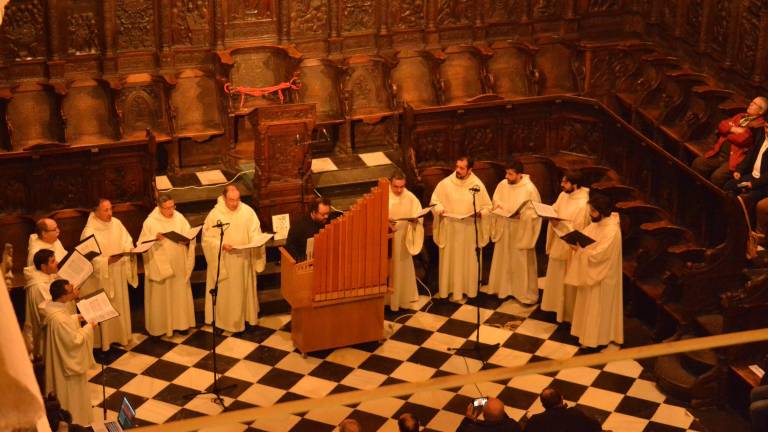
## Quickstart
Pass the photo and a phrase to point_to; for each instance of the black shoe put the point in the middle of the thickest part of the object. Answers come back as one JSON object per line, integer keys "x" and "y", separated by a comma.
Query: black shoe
{"x": 183, "y": 332}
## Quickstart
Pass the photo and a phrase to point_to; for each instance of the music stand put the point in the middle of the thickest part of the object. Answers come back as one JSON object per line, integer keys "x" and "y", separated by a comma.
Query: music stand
{"x": 215, "y": 390}
{"x": 476, "y": 349}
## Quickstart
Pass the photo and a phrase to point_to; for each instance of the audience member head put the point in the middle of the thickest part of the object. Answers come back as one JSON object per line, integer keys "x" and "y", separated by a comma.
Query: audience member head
{"x": 397, "y": 184}
{"x": 758, "y": 106}
{"x": 349, "y": 425}
{"x": 62, "y": 291}
{"x": 166, "y": 204}
{"x": 103, "y": 210}
{"x": 550, "y": 398}
{"x": 47, "y": 230}
{"x": 572, "y": 180}
{"x": 600, "y": 207}
{"x": 493, "y": 411}
{"x": 45, "y": 261}
{"x": 320, "y": 209}
{"x": 408, "y": 423}
{"x": 231, "y": 197}
{"x": 514, "y": 171}
{"x": 464, "y": 166}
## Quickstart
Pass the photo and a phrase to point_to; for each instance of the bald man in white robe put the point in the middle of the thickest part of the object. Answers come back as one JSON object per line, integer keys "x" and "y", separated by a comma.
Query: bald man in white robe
{"x": 595, "y": 273}
{"x": 237, "y": 302}
{"x": 455, "y": 237}
{"x": 112, "y": 274}
{"x": 407, "y": 242}
{"x": 571, "y": 205}
{"x": 168, "y": 303}
{"x": 46, "y": 236}
{"x": 513, "y": 269}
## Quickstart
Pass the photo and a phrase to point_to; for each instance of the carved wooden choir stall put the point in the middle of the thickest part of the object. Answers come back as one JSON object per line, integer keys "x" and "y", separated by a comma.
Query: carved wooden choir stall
{"x": 337, "y": 296}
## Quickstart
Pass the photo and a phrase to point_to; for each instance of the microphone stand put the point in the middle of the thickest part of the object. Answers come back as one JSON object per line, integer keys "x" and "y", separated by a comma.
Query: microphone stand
{"x": 476, "y": 349}
{"x": 215, "y": 390}
{"x": 103, "y": 375}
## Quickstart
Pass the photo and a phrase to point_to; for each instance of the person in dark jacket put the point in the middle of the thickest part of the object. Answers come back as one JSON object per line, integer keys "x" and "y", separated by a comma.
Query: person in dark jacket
{"x": 306, "y": 227}
{"x": 558, "y": 417}
{"x": 494, "y": 419}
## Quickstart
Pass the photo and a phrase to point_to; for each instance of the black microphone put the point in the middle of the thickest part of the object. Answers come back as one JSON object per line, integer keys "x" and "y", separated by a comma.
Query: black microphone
{"x": 220, "y": 224}
{"x": 474, "y": 189}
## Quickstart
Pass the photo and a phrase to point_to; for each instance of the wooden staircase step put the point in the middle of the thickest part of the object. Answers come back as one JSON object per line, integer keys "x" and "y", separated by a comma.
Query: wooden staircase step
{"x": 673, "y": 378}
{"x": 667, "y": 228}
{"x": 617, "y": 191}
{"x": 688, "y": 252}
{"x": 712, "y": 324}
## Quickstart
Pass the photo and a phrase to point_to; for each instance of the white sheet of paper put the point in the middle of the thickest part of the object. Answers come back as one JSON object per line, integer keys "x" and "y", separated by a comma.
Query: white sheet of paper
{"x": 757, "y": 370}
{"x": 143, "y": 247}
{"x": 544, "y": 210}
{"x": 76, "y": 269}
{"x": 193, "y": 232}
{"x": 88, "y": 246}
{"x": 258, "y": 242}
{"x": 323, "y": 165}
{"x": 162, "y": 183}
{"x": 310, "y": 248}
{"x": 97, "y": 308}
{"x": 281, "y": 223}
{"x": 375, "y": 159}
{"x": 422, "y": 213}
{"x": 211, "y": 177}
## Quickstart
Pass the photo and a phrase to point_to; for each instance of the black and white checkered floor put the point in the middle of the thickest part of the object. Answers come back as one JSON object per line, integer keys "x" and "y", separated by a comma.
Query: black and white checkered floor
{"x": 156, "y": 373}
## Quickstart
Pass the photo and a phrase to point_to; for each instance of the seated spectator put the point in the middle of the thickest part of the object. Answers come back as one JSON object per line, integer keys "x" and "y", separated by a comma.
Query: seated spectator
{"x": 495, "y": 419}
{"x": 349, "y": 425}
{"x": 408, "y": 423}
{"x": 558, "y": 417}
{"x": 733, "y": 142}
{"x": 751, "y": 176}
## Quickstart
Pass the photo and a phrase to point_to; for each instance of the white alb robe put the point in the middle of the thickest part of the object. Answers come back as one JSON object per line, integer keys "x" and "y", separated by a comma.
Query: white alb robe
{"x": 557, "y": 297}
{"x": 407, "y": 241}
{"x": 168, "y": 303}
{"x": 513, "y": 269}
{"x": 456, "y": 237}
{"x": 35, "y": 244}
{"x": 596, "y": 274}
{"x": 237, "y": 301}
{"x": 113, "y": 278}
{"x": 68, "y": 356}
{"x": 36, "y": 285}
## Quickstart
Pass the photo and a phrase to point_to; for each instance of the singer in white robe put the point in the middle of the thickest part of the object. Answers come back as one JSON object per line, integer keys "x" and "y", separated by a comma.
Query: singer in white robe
{"x": 513, "y": 269}
{"x": 458, "y": 271}
{"x": 237, "y": 302}
{"x": 45, "y": 237}
{"x": 68, "y": 356}
{"x": 112, "y": 274}
{"x": 36, "y": 284}
{"x": 408, "y": 240}
{"x": 168, "y": 303}
{"x": 573, "y": 208}
{"x": 595, "y": 273}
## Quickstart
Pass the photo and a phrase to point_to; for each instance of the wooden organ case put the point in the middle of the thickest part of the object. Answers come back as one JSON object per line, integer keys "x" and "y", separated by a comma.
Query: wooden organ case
{"x": 337, "y": 296}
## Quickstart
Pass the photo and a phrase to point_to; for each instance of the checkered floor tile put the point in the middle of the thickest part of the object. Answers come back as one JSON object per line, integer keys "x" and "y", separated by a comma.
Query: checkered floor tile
{"x": 162, "y": 376}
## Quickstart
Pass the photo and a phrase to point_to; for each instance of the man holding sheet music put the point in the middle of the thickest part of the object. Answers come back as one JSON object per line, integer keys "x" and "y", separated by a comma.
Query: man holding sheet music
{"x": 242, "y": 255}
{"x": 68, "y": 354}
{"x": 405, "y": 215}
{"x": 168, "y": 265}
{"x": 113, "y": 271}
{"x": 571, "y": 206}
{"x": 454, "y": 231}
{"x": 515, "y": 228}
{"x": 595, "y": 273}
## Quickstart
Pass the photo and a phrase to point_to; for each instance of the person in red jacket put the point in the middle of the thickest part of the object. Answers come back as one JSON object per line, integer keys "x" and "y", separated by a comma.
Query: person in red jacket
{"x": 733, "y": 142}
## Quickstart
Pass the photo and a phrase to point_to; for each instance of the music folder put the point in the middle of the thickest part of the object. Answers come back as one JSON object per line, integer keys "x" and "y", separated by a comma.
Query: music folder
{"x": 184, "y": 237}
{"x": 96, "y": 307}
{"x": 259, "y": 241}
{"x": 75, "y": 268}
{"x": 577, "y": 238}
{"x": 88, "y": 247}
{"x": 140, "y": 249}
{"x": 418, "y": 215}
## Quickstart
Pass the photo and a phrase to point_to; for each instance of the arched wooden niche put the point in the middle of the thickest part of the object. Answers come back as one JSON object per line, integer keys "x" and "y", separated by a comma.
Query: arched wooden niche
{"x": 461, "y": 74}
{"x": 512, "y": 69}
{"x": 88, "y": 112}
{"x": 321, "y": 85}
{"x": 554, "y": 62}
{"x": 367, "y": 89}
{"x": 415, "y": 78}
{"x": 194, "y": 101}
{"x": 32, "y": 116}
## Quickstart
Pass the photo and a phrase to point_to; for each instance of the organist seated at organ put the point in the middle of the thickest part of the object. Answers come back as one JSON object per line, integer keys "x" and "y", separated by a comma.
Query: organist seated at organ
{"x": 306, "y": 227}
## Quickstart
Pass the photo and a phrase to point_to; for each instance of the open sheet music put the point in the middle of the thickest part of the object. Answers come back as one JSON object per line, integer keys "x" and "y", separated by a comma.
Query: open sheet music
{"x": 140, "y": 249}
{"x": 184, "y": 237}
{"x": 75, "y": 268}
{"x": 509, "y": 213}
{"x": 259, "y": 241}
{"x": 96, "y": 307}
{"x": 418, "y": 215}
{"x": 577, "y": 238}
{"x": 89, "y": 247}
{"x": 281, "y": 223}
{"x": 545, "y": 211}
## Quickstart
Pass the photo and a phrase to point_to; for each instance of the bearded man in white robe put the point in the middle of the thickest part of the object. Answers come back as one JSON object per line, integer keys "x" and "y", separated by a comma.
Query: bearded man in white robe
{"x": 572, "y": 207}
{"x": 595, "y": 273}
{"x": 168, "y": 303}
{"x": 513, "y": 269}
{"x": 453, "y": 229}
{"x": 407, "y": 241}
{"x": 38, "y": 278}
{"x": 111, "y": 273}
{"x": 68, "y": 354}
{"x": 46, "y": 236}
{"x": 237, "y": 302}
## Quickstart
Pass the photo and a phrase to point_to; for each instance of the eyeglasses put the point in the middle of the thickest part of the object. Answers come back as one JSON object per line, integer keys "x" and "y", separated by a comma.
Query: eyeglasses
{"x": 53, "y": 229}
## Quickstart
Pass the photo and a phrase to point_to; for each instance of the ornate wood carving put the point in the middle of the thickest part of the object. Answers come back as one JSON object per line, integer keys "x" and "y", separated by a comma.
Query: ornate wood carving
{"x": 455, "y": 12}
{"x": 367, "y": 86}
{"x": 191, "y": 22}
{"x": 309, "y": 18}
{"x": 135, "y": 20}
{"x": 358, "y": 16}
{"x": 720, "y": 22}
{"x": 23, "y": 29}
{"x": 83, "y": 33}
{"x": 547, "y": 8}
{"x": 749, "y": 32}
{"x": 322, "y": 86}
{"x": 603, "y": 5}
{"x": 251, "y": 10}
{"x": 505, "y": 10}
{"x": 407, "y": 14}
